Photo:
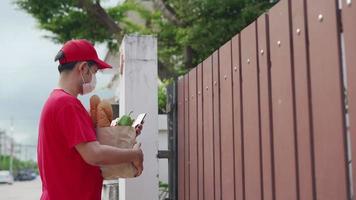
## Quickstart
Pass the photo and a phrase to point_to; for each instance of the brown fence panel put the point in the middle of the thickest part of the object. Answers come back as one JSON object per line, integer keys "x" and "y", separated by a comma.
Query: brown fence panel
{"x": 238, "y": 138}
{"x": 181, "y": 145}
{"x": 200, "y": 133}
{"x": 208, "y": 128}
{"x": 193, "y": 135}
{"x": 265, "y": 108}
{"x": 226, "y": 120}
{"x": 282, "y": 103}
{"x": 263, "y": 117}
{"x": 186, "y": 137}
{"x": 250, "y": 102}
{"x": 349, "y": 28}
{"x": 327, "y": 100}
{"x": 217, "y": 133}
{"x": 302, "y": 98}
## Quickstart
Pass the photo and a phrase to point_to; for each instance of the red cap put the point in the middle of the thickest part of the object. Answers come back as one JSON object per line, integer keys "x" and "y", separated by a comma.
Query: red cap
{"x": 80, "y": 50}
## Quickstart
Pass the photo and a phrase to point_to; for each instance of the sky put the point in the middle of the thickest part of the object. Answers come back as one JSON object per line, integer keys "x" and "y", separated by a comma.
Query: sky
{"x": 28, "y": 72}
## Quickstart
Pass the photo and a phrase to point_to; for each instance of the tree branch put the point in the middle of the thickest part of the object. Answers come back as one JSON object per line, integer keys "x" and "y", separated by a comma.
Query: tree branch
{"x": 167, "y": 11}
{"x": 188, "y": 56}
{"x": 101, "y": 16}
{"x": 165, "y": 72}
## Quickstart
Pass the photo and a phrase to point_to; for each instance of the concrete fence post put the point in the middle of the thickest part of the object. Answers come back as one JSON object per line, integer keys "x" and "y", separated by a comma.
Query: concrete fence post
{"x": 137, "y": 92}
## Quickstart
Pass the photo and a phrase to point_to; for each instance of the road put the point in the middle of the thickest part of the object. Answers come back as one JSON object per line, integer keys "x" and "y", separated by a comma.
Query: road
{"x": 27, "y": 190}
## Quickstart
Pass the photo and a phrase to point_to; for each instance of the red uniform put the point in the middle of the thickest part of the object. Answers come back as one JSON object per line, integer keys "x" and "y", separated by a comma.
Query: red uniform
{"x": 65, "y": 175}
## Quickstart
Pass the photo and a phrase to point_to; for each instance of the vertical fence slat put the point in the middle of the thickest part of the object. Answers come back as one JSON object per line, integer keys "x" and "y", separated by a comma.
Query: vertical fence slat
{"x": 200, "y": 133}
{"x": 186, "y": 138}
{"x": 282, "y": 103}
{"x": 250, "y": 107}
{"x": 292, "y": 143}
{"x": 239, "y": 170}
{"x": 193, "y": 135}
{"x": 217, "y": 133}
{"x": 327, "y": 100}
{"x": 265, "y": 109}
{"x": 301, "y": 77}
{"x": 208, "y": 127}
{"x": 226, "y": 119}
{"x": 349, "y": 28}
{"x": 181, "y": 140}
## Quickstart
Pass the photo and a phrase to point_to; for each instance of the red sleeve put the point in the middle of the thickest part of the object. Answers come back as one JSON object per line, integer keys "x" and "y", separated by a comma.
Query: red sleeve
{"x": 75, "y": 125}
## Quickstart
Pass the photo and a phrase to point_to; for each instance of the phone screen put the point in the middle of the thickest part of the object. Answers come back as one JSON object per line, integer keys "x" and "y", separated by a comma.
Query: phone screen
{"x": 139, "y": 119}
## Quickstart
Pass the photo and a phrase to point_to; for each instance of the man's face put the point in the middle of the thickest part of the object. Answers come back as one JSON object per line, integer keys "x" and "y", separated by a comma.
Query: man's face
{"x": 89, "y": 69}
{"x": 86, "y": 73}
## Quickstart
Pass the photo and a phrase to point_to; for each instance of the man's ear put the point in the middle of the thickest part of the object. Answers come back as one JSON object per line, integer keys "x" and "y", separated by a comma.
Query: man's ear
{"x": 81, "y": 67}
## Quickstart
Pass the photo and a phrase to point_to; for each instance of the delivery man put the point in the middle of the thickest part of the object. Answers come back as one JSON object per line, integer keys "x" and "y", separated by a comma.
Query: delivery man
{"x": 68, "y": 152}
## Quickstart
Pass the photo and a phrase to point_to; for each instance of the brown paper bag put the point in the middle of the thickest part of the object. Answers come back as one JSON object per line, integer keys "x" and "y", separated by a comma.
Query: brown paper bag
{"x": 122, "y": 137}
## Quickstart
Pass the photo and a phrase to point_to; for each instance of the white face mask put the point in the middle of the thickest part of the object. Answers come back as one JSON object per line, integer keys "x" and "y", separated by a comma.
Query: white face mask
{"x": 89, "y": 87}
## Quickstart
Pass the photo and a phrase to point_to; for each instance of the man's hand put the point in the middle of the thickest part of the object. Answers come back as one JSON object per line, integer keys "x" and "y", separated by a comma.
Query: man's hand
{"x": 138, "y": 164}
{"x": 138, "y": 129}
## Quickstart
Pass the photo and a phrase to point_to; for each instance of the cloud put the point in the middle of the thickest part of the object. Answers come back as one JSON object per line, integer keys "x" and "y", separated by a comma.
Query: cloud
{"x": 28, "y": 72}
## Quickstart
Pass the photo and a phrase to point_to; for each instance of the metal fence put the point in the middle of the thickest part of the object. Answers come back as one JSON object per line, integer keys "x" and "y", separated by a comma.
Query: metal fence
{"x": 268, "y": 115}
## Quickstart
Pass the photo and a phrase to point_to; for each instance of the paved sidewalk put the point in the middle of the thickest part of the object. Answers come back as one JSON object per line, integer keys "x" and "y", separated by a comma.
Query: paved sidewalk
{"x": 26, "y": 190}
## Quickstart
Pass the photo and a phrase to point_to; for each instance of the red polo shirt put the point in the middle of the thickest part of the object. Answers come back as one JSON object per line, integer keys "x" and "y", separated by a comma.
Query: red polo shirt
{"x": 65, "y": 175}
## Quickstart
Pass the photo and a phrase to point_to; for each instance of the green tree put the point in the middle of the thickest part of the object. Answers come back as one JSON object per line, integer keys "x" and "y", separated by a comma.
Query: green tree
{"x": 188, "y": 31}
{"x": 17, "y": 164}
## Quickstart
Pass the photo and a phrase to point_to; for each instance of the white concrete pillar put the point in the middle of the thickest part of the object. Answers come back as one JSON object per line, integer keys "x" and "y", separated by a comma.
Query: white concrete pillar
{"x": 138, "y": 93}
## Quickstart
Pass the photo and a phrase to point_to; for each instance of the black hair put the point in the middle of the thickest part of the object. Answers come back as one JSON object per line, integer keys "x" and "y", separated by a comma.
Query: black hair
{"x": 71, "y": 65}
{"x": 68, "y": 66}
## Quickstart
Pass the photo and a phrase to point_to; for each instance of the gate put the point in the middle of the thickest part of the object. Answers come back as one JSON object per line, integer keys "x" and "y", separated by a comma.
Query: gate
{"x": 272, "y": 113}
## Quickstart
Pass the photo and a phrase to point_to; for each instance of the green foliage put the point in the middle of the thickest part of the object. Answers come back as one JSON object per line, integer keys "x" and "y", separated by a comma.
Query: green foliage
{"x": 204, "y": 25}
{"x": 17, "y": 164}
{"x": 208, "y": 24}
{"x": 162, "y": 97}
{"x": 163, "y": 185}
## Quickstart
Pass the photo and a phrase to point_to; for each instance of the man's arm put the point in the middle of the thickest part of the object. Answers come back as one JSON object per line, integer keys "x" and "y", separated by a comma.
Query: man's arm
{"x": 96, "y": 154}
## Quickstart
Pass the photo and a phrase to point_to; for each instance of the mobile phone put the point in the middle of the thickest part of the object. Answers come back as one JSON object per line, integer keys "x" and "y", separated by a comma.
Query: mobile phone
{"x": 139, "y": 119}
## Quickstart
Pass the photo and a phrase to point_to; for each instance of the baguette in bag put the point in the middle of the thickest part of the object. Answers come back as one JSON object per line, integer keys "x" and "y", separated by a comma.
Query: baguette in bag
{"x": 117, "y": 136}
